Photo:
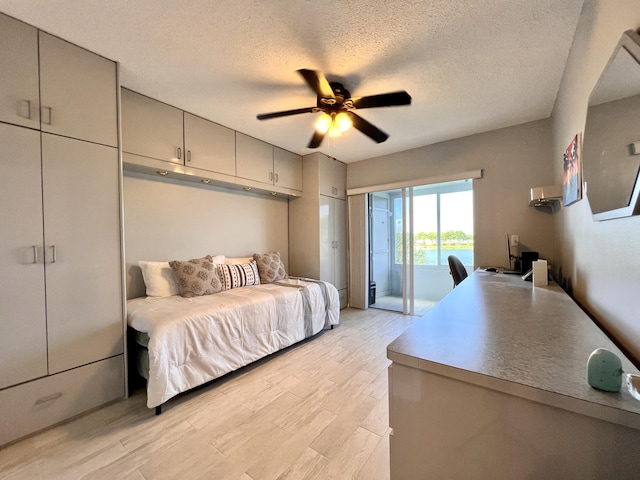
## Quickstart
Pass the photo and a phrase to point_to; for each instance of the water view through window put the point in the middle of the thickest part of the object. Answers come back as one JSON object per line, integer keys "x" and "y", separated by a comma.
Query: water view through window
{"x": 443, "y": 225}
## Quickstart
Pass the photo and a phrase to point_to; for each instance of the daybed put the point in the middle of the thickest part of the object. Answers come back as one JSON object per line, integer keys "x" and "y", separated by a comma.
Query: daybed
{"x": 189, "y": 341}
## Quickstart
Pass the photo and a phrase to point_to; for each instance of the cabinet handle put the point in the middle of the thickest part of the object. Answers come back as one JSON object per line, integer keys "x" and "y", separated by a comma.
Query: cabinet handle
{"x": 35, "y": 254}
{"x": 179, "y": 151}
{"x": 271, "y": 176}
{"x": 54, "y": 254}
{"x": 46, "y": 119}
{"x": 276, "y": 178}
{"x": 48, "y": 398}
{"x": 25, "y": 109}
{"x": 188, "y": 155}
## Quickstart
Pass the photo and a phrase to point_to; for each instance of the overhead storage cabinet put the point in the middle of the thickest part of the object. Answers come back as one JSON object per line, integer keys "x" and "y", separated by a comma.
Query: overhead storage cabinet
{"x": 61, "y": 348}
{"x": 159, "y": 131}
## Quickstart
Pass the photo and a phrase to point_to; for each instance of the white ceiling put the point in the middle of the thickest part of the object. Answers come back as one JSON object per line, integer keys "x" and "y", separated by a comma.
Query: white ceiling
{"x": 470, "y": 65}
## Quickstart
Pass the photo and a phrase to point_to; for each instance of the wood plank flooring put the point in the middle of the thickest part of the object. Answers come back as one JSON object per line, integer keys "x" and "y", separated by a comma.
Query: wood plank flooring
{"x": 318, "y": 410}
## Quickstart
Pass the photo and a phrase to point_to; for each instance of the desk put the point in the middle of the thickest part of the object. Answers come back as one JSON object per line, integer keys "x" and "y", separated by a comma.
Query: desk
{"x": 491, "y": 383}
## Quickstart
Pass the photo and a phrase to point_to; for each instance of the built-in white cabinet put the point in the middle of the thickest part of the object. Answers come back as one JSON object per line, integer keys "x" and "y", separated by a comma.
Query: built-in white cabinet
{"x": 318, "y": 226}
{"x": 254, "y": 159}
{"x": 62, "y": 341}
{"x": 81, "y": 251}
{"x": 151, "y": 128}
{"x": 332, "y": 177}
{"x": 262, "y": 162}
{"x": 156, "y": 130}
{"x": 287, "y": 168}
{"x": 19, "y": 84}
{"x": 53, "y": 85}
{"x": 23, "y": 342}
{"x": 77, "y": 92}
{"x": 209, "y": 146}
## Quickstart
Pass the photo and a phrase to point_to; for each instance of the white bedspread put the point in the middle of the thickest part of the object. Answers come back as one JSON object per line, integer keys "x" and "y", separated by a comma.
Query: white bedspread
{"x": 194, "y": 340}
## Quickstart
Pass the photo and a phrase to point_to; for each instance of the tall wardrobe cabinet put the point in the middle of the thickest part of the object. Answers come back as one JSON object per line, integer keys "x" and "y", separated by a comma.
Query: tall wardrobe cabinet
{"x": 61, "y": 326}
{"x": 318, "y": 224}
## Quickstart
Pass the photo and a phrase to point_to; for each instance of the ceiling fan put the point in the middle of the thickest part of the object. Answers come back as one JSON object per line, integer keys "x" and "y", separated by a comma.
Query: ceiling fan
{"x": 337, "y": 107}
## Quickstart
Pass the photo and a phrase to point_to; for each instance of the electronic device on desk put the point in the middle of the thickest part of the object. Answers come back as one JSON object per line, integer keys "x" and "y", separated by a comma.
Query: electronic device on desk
{"x": 508, "y": 270}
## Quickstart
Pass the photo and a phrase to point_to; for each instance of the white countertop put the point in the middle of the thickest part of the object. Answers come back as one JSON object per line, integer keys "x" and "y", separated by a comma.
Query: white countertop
{"x": 500, "y": 332}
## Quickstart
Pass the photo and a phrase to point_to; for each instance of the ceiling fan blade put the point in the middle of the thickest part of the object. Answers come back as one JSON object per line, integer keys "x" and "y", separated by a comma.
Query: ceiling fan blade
{"x": 367, "y": 128}
{"x": 285, "y": 113}
{"x": 318, "y": 83}
{"x": 383, "y": 100}
{"x": 316, "y": 140}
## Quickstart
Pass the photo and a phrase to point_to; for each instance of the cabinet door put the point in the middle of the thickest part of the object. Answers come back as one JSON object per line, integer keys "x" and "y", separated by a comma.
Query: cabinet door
{"x": 151, "y": 128}
{"x": 327, "y": 239}
{"x": 332, "y": 177}
{"x": 287, "y": 168}
{"x": 78, "y": 92}
{"x": 254, "y": 159}
{"x": 82, "y": 252}
{"x": 340, "y": 236}
{"x": 19, "y": 95}
{"x": 209, "y": 146}
{"x": 23, "y": 330}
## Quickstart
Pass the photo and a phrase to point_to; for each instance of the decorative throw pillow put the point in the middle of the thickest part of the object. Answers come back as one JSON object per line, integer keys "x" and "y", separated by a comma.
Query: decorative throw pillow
{"x": 196, "y": 277}
{"x": 239, "y": 275}
{"x": 270, "y": 266}
{"x": 158, "y": 279}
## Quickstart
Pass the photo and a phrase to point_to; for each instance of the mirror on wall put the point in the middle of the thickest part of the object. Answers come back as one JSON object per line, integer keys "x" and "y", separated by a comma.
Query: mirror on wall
{"x": 611, "y": 142}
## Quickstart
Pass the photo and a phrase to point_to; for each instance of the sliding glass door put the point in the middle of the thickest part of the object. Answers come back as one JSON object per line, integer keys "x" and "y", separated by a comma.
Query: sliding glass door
{"x": 412, "y": 231}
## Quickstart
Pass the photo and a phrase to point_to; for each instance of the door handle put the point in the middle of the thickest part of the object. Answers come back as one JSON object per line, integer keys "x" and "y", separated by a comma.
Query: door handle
{"x": 179, "y": 152}
{"x": 188, "y": 155}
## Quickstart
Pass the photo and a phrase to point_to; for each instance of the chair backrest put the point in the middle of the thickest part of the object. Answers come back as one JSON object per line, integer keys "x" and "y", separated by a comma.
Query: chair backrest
{"x": 457, "y": 270}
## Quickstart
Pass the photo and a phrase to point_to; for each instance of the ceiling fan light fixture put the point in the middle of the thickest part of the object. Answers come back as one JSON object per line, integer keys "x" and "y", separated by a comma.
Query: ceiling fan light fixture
{"x": 324, "y": 123}
{"x": 343, "y": 122}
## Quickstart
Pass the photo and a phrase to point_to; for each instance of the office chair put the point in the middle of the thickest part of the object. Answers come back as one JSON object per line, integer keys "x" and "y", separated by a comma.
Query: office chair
{"x": 457, "y": 270}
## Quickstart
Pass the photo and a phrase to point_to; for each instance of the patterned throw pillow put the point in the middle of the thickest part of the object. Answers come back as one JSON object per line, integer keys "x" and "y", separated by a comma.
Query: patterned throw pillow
{"x": 270, "y": 267}
{"x": 239, "y": 275}
{"x": 196, "y": 277}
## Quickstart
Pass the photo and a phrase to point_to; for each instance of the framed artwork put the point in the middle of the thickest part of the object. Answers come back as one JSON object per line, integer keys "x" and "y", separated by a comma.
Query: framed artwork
{"x": 572, "y": 178}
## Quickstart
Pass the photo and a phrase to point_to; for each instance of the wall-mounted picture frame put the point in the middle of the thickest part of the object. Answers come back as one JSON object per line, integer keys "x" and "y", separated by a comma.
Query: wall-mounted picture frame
{"x": 572, "y": 178}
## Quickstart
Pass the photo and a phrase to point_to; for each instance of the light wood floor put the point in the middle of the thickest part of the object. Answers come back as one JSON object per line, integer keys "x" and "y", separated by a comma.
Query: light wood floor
{"x": 318, "y": 410}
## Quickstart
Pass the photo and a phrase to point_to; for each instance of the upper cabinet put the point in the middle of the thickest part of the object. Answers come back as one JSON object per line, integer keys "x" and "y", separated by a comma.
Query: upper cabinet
{"x": 151, "y": 128}
{"x": 156, "y": 130}
{"x": 332, "y": 177}
{"x": 79, "y": 100}
{"x": 50, "y": 84}
{"x": 209, "y": 146}
{"x": 254, "y": 159}
{"x": 262, "y": 162}
{"x": 287, "y": 168}
{"x": 19, "y": 84}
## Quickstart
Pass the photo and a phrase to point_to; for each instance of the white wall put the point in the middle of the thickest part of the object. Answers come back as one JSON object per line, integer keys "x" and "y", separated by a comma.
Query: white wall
{"x": 513, "y": 160}
{"x": 600, "y": 261}
{"x": 171, "y": 220}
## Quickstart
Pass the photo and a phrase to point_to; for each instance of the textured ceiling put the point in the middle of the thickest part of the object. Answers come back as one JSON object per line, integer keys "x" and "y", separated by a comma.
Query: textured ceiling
{"x": 470, "y": 65}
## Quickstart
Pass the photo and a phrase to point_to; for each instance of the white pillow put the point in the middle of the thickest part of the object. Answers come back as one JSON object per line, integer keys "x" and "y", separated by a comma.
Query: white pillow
{"x": 159, "y": 279}
{"x": 218, "y": 259}
{"x": 237, "y": 260}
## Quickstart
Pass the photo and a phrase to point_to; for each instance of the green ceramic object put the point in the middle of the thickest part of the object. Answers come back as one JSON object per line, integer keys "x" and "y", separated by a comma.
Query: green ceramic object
{"x": 604, "y": 370}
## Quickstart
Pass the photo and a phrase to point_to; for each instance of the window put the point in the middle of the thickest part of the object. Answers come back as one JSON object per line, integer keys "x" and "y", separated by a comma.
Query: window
{"x": 442, "y": 223}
